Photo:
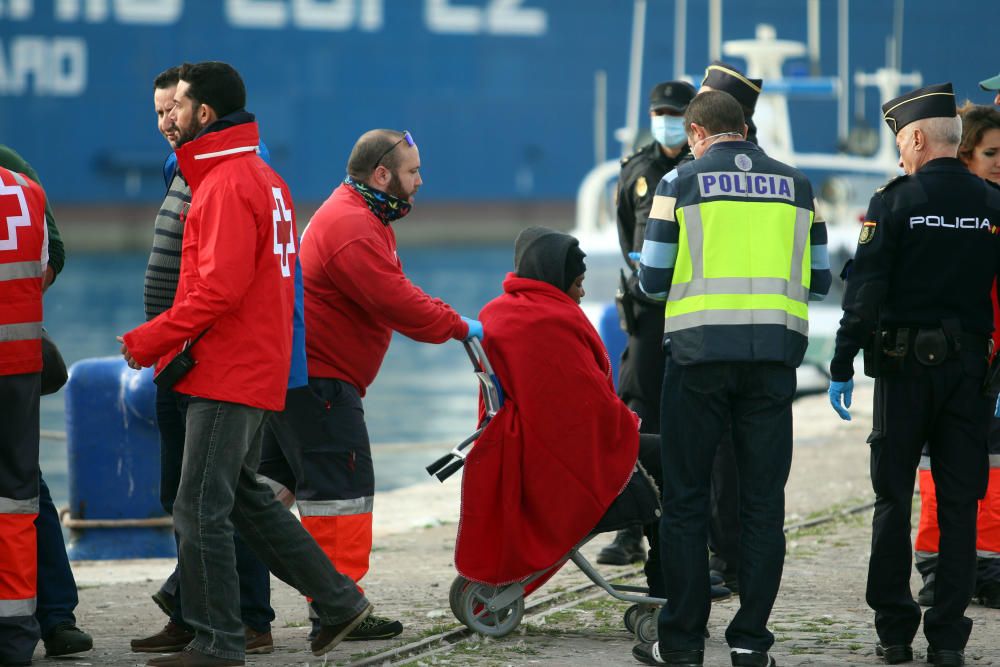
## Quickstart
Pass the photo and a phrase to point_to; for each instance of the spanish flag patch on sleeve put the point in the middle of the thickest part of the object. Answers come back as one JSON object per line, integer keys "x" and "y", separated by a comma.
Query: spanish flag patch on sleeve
{"x": 867, "y": 231}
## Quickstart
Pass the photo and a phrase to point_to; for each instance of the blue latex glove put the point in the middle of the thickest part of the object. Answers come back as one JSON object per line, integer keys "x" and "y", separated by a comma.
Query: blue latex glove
{"x": 475, "y": 328}
{"x": 634, "y": 256}
{"x": 996, "y": 412}
{"x": 840, "y": 397}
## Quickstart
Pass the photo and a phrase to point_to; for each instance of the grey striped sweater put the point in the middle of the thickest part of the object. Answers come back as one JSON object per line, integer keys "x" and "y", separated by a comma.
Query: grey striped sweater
{"x": 164, "y": 267}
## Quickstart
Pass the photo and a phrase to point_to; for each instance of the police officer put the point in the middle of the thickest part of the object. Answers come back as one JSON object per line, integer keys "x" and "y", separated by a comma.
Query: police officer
{"x": 918, "y": 301}
{"x": 641, "y": 370}
{"x": 736, "y": 291}
{"x": 720, "y": 75}
{"x": 724, "y": 524}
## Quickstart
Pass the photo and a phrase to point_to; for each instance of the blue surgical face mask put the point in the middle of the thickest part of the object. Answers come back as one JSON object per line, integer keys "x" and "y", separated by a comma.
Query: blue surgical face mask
{"x": 668, "y": 130}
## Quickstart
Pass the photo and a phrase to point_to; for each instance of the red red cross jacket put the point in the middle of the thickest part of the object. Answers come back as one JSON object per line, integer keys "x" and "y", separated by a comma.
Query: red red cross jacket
{"x": 23, "y": 256}
{"x": 236, "y": 282}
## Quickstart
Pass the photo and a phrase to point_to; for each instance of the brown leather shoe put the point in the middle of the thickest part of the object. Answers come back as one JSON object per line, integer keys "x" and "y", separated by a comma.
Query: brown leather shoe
{"x": 191, "y": 658}
{"x": 331, "y": 635}
{"x": 172, "y": 637}
{"x": 258, "y": 642}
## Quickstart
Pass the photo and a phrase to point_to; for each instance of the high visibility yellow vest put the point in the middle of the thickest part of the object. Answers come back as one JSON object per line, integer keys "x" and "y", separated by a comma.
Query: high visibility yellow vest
{"x": 741, "y": 263}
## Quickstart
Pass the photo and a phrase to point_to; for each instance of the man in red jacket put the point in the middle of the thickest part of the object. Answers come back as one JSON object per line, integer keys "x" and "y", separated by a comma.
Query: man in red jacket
{"x": 23, "y": 261}
{"x": 356, "y": 295}
{"x": 234, "y": 300}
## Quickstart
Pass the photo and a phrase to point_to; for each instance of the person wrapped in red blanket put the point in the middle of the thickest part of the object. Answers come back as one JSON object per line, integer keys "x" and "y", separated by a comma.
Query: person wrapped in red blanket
{"x": 562, "y": 447}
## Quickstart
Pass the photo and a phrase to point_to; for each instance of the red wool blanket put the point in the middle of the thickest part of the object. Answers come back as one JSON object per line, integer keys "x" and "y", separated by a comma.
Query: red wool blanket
{"x": 560, "y": 449}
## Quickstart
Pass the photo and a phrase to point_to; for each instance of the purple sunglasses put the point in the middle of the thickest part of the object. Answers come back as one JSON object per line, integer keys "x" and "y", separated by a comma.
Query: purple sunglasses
{"x": 407, "y": 137}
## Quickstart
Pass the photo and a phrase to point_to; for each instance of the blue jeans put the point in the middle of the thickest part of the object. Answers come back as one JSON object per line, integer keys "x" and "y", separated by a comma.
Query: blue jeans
{"x": 57, "y": 597}
{"x": 218, "y": 492}
{"x": 255, "y": 580}
{"x": 698, "y": 403}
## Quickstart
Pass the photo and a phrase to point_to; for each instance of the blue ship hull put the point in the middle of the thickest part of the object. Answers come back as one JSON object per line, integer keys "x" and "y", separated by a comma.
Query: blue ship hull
{"x": 499, "y": 94}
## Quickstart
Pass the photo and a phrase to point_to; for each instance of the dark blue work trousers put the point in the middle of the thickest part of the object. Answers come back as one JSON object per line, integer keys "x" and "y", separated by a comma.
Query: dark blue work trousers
{"x": 57, "y": 596}
{"x": 698, "y": 404}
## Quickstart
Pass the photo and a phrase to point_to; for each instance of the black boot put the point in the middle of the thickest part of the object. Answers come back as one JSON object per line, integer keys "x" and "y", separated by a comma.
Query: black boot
{"x": 625, "y": 549}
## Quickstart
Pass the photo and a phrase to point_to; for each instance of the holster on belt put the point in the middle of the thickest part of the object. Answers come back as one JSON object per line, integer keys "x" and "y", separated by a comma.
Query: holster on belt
{"x": 624, "y": 302}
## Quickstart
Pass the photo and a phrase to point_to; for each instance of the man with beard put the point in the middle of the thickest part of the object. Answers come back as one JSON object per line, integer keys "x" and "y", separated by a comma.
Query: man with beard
{"x": 356, "y": 295}
{"x": 159, "y": 288}
{"x": 231, "y": 320}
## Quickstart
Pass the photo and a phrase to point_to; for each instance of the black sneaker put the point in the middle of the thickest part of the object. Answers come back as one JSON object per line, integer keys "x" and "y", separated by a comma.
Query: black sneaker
{"x": 625, "y": 549}
{"x": 720, "y": 593}
{"x": 331, "y": 635}
{"x": 66, "y": 639}
{"x": 894, "y": 654}
{"x": 752, "y": 659}
{"x": 649, "y": 654}
{"x": 374, "y": 627}
{"x": 945, "y": 658}
{"x": 989, "y": 595}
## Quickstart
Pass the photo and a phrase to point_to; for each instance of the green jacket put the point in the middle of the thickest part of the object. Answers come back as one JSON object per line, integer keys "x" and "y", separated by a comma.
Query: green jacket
{"x": 57, "y": 253}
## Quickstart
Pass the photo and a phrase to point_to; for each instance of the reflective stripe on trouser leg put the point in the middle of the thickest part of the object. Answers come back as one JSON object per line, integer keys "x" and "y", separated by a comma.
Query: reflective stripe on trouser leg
{"x": 928, "y": 533}
{"x": 988, "y": 521}
{"x": 346, "y": 540}
{"x": 18, "y": 556}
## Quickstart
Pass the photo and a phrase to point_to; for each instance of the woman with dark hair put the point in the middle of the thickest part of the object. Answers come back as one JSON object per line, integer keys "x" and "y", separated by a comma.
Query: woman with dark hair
{"x": 980, "y": 152}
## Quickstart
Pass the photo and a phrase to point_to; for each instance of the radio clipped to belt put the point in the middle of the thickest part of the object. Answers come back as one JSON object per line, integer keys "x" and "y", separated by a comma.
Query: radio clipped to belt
{"x": 886, "y": 352}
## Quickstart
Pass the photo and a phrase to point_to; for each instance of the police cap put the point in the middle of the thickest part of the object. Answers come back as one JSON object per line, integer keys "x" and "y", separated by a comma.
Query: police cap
{"x": 992, "y": 83}
{"x": 937, "y": 101}
{"x": 674, "y": 95}
{"x": 723, "y": 76}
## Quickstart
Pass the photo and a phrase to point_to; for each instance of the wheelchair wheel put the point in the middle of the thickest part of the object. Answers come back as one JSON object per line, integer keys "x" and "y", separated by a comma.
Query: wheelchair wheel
{"x": 631, "y": 615}
{"x": 455, "y": 594}
{"x": 477, "y": 616}
{"x": 645, "y": 629}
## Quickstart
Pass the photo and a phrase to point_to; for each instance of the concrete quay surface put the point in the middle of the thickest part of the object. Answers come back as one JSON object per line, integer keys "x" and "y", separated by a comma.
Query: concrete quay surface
{"x": 820, "y": 617}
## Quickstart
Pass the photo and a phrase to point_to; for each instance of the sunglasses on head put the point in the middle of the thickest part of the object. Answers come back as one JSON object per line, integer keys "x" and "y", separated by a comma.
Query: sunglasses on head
{"x": 407, "y": 137}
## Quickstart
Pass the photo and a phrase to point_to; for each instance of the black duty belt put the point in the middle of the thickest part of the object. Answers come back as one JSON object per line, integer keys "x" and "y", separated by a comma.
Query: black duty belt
{"x": 931, "y": 346}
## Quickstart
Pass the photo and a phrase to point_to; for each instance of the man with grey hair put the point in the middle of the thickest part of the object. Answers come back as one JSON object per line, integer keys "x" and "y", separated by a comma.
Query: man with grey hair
{"x": 918, "y": 301}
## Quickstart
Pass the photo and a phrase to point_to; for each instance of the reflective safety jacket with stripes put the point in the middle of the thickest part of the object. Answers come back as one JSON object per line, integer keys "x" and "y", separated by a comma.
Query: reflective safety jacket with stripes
{"x": 23, "y": 257}
{"x": 734, "y": 246}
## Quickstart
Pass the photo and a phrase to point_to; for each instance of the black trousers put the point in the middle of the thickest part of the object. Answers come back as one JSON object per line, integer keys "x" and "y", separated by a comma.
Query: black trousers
{"x": 699, "y": 402}
{"x": 640, "y": 380}
{"x": 724, "y": 523}
{"x": 640, "y": 375}
{"x": 649, "y": 457}
{"x": 19, "y": 479}
{"x": 943, "y": 406}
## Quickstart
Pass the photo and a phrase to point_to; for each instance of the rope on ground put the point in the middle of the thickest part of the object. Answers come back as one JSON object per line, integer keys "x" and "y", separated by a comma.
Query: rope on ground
{"x": 78, "y": 524}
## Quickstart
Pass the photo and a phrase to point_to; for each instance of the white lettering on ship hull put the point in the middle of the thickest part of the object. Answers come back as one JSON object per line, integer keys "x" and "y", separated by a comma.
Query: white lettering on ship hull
{"x": 491, "y": 17}
{"x": 54, "y": 66}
